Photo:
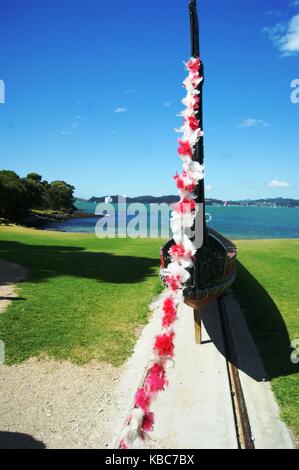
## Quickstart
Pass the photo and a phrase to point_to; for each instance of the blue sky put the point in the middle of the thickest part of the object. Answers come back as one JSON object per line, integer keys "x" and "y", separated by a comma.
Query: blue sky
{"x": 69, "y": 65}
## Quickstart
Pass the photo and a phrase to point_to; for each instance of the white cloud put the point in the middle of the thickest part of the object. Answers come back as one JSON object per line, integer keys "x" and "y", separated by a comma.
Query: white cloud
{"x": 67, "y": 133}
{"x": 73, "y": 127}
{"x": 285, "y": 36}
{"x": 120, "y": 110}
{"x": 167, "y": 104}
{"x": 253, "y": 123}
{"x": 278, "y": 184}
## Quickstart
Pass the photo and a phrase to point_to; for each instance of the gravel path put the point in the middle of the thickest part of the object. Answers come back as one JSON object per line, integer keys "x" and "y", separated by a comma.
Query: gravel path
{"x": 60, "y": 405}
{"x": 10, "y": 274}
{"x": 45, "y": 403}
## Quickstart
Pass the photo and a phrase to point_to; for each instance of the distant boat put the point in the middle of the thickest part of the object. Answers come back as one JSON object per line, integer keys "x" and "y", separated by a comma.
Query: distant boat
{"x": 108, "y": 200}
{"x": 225, "y": 204}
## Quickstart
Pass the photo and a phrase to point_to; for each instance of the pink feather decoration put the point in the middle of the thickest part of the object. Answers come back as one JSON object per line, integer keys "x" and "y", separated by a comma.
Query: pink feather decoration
{"x": 168, "y": 319}
{"x": 193, "y": 122}
{"x": 170, "y": 312}
{"x": 156, "y": 379}
{"x": 168, "y": 305}
{"x": 176, "y": 251}
{"x": 185, "y": 149}
{"x": 123, "y": 444}
{"x": 180, "y": 183}
{"x": 195, "y": 80}
{"x": 164, "y": 345}
{"x": 185, "y": 205}
{"x": 193, "y": 65}
{"x": 148, "y": 422}
{"x": 173, "y": 282}
{"x": 142, "y": 399}
{"x": 196, "y": 100}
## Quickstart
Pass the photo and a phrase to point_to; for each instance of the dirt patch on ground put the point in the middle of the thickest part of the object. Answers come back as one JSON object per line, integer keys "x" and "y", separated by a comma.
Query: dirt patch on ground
{"x": 10, "y": 274}
{"x": 60, "y": 405}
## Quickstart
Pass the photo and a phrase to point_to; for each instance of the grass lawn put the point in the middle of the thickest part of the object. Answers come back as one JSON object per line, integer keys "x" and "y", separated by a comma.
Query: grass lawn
{"x": 85, "y": 299}
{"x": 267, "y": 288}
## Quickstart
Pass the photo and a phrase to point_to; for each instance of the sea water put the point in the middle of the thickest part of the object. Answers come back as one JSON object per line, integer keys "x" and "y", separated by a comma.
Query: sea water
{"x": 237, "y": 222}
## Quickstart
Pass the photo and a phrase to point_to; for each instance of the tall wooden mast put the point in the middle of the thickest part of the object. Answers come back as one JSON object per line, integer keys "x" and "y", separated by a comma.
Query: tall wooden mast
{"x": 199, "y": 150}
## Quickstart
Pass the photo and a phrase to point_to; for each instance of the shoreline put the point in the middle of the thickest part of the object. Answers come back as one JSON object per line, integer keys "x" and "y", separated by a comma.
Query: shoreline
{"x": 40, "y": 219}
{"x": 83, "y": 221}
{"x": 231, "y": 237}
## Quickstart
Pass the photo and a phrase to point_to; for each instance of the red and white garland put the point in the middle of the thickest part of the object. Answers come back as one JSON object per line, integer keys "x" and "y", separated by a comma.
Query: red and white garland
{"x": 141, "y": 420}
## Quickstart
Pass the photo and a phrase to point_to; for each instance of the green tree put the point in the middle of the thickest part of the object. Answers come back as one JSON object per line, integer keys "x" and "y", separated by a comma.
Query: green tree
{"x": 35, "y": 191}
{"x": 35, "y": 177}
{"x": 19, "y": 195}
{"x": 60, "y": 196}
{"x": 14, "y": 202}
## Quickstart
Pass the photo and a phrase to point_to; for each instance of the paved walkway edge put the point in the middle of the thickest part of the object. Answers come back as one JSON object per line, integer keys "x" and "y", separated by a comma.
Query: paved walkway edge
{"x": 268, "y": 431}
{"x": 195, "y": 411}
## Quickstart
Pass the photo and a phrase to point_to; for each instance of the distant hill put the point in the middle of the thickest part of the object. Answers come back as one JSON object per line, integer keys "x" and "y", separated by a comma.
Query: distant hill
{"x": 268, "y": 202}
{"x": 142, "y": 199}
{"x": 171, "y": 199}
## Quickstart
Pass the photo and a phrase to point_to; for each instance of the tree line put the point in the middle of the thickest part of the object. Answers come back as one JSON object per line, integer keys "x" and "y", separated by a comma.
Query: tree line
{"x": 18, "y": 196}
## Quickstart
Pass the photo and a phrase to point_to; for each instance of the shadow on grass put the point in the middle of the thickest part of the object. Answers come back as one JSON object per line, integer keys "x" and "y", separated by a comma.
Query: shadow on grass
{"x": 45, "y": 262}
{"x": 228, "y": 332}
{"x": 266, "y": 324}
{"x": 12, "y": 299}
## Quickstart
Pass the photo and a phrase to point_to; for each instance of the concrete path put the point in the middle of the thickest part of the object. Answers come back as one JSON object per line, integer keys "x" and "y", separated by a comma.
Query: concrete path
{"x": 196, "y": 411}
{"x": 268, "y": 431}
